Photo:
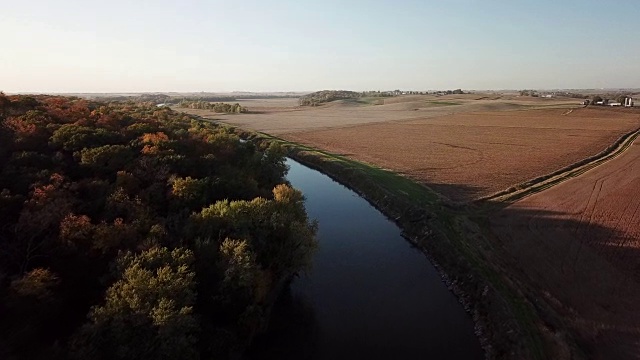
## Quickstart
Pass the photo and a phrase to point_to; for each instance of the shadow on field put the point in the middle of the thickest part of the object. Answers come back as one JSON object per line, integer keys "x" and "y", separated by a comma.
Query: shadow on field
{"x": 589, "y": 273}
{"x": 458, "y": 193}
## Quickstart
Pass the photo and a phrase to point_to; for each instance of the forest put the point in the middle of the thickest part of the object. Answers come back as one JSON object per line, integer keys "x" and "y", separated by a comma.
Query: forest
{"x": 136, "y": 232}
{"x": 324, "y": 96}
{"x": 217, "y": 107}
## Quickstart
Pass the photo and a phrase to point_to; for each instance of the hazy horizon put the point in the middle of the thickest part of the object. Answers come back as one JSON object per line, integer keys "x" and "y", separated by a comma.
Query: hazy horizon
{"x": 242, "y": 92}
{"x": 298, "y": 46}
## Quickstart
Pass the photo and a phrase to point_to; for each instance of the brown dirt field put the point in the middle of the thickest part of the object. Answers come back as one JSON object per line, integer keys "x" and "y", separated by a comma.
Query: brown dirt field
{"x": 579, "y": 242}
{"x": 474, "y": 154}
{"x": 275, "y": 116}
{"x": 262, "y": 105}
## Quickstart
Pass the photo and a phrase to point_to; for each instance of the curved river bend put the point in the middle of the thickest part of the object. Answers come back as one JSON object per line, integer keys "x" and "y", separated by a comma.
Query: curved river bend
{"x": 369, "y": 295}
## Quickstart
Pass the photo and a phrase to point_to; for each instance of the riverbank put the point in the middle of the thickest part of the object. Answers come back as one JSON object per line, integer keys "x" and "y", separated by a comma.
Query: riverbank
{"x": 369, "y": 293}
{"x": 511, "y": 322}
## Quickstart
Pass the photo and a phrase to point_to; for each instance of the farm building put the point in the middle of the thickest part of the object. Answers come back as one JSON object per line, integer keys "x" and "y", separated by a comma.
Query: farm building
{"x": 626, "y": 102}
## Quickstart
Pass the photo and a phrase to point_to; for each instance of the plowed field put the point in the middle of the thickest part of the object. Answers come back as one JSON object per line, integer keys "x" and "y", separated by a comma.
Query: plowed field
{"x": 580, "y": 243}
{"x": 280, "y": 116}
{"x": 473, "y": 154}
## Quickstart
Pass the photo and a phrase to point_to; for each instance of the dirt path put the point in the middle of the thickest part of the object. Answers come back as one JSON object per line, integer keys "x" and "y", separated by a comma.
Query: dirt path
{"x": 579, "y": 242}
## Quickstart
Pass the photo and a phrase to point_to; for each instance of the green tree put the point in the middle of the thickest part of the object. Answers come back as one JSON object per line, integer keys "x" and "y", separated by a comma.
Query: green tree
{"x": 106, "y": 159}
{"x": 277, "y": 230}
{"x": 273, "y": 165}
{"x": 73, "y": 137}
{"x": 241, "y": 272}
{"x": 148, "y": 311}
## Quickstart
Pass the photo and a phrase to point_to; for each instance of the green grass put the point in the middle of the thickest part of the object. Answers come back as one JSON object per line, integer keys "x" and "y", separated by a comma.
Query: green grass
{"x": 413, "y": 192}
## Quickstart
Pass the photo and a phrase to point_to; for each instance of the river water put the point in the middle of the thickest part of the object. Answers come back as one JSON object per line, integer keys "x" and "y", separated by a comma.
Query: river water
{"x": 369, "y": 295}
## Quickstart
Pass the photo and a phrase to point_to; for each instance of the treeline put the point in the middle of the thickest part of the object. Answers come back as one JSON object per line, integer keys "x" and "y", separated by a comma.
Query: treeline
{"x": 324, "y": 96}
{"x": 217, "y": 107}
{"x": 141, "y": 98}
{"x": 176, "y": 99}
{"x": 376, "y": 94}
{"x": 569, "y": 94}
{"x": 136, "y": 232}
{"x": 593, "y": 99}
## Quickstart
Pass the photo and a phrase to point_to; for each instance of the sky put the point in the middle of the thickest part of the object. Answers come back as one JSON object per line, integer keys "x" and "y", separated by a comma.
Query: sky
{"x": 300, "y": 45}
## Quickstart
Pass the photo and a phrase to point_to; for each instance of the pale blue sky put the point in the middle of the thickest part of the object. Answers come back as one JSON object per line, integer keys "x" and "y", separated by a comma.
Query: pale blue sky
{"x": 260, "y": 45}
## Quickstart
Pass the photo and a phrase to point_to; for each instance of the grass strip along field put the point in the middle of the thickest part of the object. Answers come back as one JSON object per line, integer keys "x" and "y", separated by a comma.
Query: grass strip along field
{"x": 507, "y": 321}
{"x": 544, "y": 182}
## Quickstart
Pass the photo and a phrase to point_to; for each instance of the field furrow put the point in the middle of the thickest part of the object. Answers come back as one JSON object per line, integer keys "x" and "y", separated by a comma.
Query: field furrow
{"x": 599, "y": 285}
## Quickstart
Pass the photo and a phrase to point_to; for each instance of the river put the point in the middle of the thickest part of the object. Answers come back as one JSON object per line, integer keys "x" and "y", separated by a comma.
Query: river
{"x": 369, "y": 295}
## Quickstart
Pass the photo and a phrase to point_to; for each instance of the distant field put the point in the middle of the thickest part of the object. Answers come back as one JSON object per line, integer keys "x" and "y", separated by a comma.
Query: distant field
{"x": 464, "y": 146}
{"x": 581, "y": 240}
{"x": 268, "y": 104}
{"x": 279, "y": 119}
{"x": 473, "y": 154}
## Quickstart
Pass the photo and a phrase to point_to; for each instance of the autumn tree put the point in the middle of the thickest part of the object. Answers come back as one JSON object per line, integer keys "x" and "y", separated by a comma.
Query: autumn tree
{"x": 148, "y": 311}
{"x": 145, "y": 219}
{"x": 71, "y": 137}
{"x": 107, "y": 158}
{"x": 278, "y": 230}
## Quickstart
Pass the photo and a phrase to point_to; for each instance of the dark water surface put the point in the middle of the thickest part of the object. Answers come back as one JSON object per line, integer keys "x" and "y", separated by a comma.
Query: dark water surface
{"x": 369, "y": 295}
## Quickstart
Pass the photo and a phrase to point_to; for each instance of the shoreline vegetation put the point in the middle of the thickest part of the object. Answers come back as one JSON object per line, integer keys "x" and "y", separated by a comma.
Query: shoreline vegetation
{"x": 511, "y": 321}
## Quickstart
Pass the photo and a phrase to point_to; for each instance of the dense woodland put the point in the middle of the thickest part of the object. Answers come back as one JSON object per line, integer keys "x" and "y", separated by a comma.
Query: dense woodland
{"x": 217, "y": 107}
{"x": 324, "y": 96}
{"x": 136, "y": 232}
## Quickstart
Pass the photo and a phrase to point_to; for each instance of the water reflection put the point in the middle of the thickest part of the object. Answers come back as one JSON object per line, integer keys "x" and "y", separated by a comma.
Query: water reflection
{"x": 293, "y": 323}
{"x": 370, "y": 295}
